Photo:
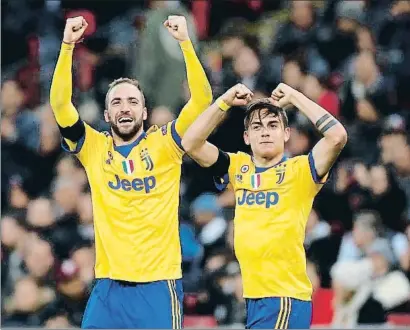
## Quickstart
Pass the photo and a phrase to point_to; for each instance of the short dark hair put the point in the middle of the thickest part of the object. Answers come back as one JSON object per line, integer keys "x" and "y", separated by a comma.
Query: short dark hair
{"x": 119, "y": 81}
{"x": 264, "y": 104}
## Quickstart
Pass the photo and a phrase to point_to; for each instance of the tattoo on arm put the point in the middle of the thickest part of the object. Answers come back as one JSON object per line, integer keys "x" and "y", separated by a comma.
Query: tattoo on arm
{"x": 330, "y": 124}
{"x": 322, "y": 120}
{"x": 323, "y": 124}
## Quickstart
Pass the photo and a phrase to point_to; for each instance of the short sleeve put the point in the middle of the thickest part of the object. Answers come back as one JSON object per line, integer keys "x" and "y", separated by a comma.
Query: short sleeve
{"x": 172, "y": 142}
{"x": 307, "y": 175}
{"x": 85, "y": 148}
{"x": 221, "y": 182}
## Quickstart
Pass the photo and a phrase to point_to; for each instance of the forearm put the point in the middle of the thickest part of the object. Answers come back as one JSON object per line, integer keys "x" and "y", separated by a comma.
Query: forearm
{"x": 200, "y": 89}
{"x": 201, "y": 92}
{"x": 324, "y": 122}
{"x": 197, "y": 133}
{"x": 61, "y": 89}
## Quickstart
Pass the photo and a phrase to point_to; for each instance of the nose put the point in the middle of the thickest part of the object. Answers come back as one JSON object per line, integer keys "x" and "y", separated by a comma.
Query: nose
{"x": 265, "y": 132}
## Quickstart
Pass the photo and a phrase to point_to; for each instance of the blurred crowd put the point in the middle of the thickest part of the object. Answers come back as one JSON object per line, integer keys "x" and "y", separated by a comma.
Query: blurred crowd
{"x": 351, "y": 57}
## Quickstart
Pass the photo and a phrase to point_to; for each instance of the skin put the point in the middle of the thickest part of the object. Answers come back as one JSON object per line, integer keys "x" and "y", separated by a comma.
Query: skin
{"x": 125, "y": 101}
{"x": 267, "y": 137}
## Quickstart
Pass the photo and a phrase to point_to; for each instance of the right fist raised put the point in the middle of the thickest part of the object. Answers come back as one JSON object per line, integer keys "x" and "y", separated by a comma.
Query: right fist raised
{"x": 238, "y": 95}
{"x": 74, "y": 29}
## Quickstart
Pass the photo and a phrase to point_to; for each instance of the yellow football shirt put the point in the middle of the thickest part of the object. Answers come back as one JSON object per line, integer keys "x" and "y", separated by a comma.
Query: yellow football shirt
{"x": 272, "y": 208}
{"x": 135, "y": 204}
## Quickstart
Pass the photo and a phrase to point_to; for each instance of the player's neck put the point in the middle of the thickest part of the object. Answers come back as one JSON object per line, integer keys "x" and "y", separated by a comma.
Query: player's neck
{"x": 118, "y": 141}
{"x": 267, "y": 162}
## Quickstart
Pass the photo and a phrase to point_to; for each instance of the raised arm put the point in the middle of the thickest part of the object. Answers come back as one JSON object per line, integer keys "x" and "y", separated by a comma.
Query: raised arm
{"x": 326, "y": 151}
{"x": 201, "y": 92}
{"x": 68, "y": 120}
{"x": 194, "y": 140}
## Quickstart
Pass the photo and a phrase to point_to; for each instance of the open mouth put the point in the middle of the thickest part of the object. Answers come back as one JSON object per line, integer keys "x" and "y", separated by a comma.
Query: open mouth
{"x": 125, "y": 120}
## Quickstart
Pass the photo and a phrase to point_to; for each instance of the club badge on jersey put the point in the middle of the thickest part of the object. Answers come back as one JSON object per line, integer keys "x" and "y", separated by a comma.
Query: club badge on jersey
{"x": 146, "y": 158}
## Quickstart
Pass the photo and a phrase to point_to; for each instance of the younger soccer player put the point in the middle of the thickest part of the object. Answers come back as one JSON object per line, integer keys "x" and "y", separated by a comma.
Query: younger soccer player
{"x": 134, "y": 177}
{"x": 274, "y": 197}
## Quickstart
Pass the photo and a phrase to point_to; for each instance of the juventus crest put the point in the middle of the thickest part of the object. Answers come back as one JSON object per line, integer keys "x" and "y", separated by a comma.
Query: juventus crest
{"x": 280, "y": 173}
{"x": 146, "y": 158}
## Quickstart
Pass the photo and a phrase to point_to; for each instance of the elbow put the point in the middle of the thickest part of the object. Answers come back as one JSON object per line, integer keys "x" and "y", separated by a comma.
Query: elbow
{"x": 339, "y": 138}
{"x": 188, "y": 144}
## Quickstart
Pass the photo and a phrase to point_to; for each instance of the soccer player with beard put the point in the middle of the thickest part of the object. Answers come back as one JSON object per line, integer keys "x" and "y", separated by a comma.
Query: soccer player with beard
{"x": 134, "y": 178}
{"x": 274, "y": 197}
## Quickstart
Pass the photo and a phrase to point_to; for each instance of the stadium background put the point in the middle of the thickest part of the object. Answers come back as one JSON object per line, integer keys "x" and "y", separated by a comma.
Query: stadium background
{"x": 352, "y": 57}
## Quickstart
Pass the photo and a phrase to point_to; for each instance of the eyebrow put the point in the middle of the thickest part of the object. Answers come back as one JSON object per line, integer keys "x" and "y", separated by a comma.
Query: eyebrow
{"x": 273, "y": 120}
{"x": 128, "y": 98}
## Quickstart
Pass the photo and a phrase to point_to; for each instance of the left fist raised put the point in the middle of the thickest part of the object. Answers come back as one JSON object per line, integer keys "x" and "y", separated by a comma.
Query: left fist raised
{"x": 282, "y": 96}
{"x": 177, "y": 27}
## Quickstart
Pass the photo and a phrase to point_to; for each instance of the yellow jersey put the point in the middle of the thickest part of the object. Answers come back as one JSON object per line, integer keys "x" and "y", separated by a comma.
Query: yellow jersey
{"x": 272, "y": 208}
{"x": 135, "y": 195}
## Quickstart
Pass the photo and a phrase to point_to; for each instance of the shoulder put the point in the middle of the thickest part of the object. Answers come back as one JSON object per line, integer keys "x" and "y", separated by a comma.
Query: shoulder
{"x": 239, "y": 159}
{"x": 297, "y": 161}
{"x": 96, "y": 135}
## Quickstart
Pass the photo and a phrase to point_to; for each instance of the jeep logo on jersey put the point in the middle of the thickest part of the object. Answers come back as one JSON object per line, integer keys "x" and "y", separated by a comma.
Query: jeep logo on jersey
{"x": 268, "y": 198}
{"x": 146, "y": 158}
{"x": 138, "y": 184}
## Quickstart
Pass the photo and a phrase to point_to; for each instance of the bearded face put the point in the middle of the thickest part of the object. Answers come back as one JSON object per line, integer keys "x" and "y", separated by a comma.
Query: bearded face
{"x": 126, "y": 111}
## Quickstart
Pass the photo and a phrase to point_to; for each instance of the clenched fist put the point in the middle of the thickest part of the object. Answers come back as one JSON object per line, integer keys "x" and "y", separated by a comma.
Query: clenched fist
{"x": 74, "y": 29}
{"x": 238, "y": 95}
{"x": 177, "y": 27}
{"x": 282, "y": 96}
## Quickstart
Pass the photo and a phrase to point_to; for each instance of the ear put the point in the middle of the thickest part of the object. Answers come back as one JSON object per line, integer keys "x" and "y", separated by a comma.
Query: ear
{"x": 246, "y": 138}
{"x": 144, "y": 114}
{"x": 287, "y": 134}
{"x": 106, "y": 116}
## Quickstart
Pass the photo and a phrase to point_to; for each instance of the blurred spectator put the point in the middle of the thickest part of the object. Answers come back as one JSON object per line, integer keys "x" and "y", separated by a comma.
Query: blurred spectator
{"x": 85, "y": 214}
{"x": 192, "y": 256}
{"x": 161, "y": 115}
{"x": 395, "y": 150}
{"x": 300, "y": 142}
{"x": 18, "y": 125}
{"x": 299, "y": 31}
{"x": 293, "y": 72}
{"x": 394, "y": 39}
{"x": 18, "y": 195}
{"x": 210, "y": 224}
{"x": 386, "y": 197}
{"x": 336, "y": 38}
{"x": 315, "y": 88}
{"x": 39, "y": 260}
{"x": 72, "y": 293}
{"x": 162, "y": 75}
{"x": 25, "y": 305}
{"x": 316, "y": 228}
{"x": 57, "y": 322}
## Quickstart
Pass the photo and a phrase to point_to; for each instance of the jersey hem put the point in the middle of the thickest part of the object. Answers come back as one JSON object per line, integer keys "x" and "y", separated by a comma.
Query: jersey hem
{"x": 140, "y": 280}
{"x": 304, "y": 298}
